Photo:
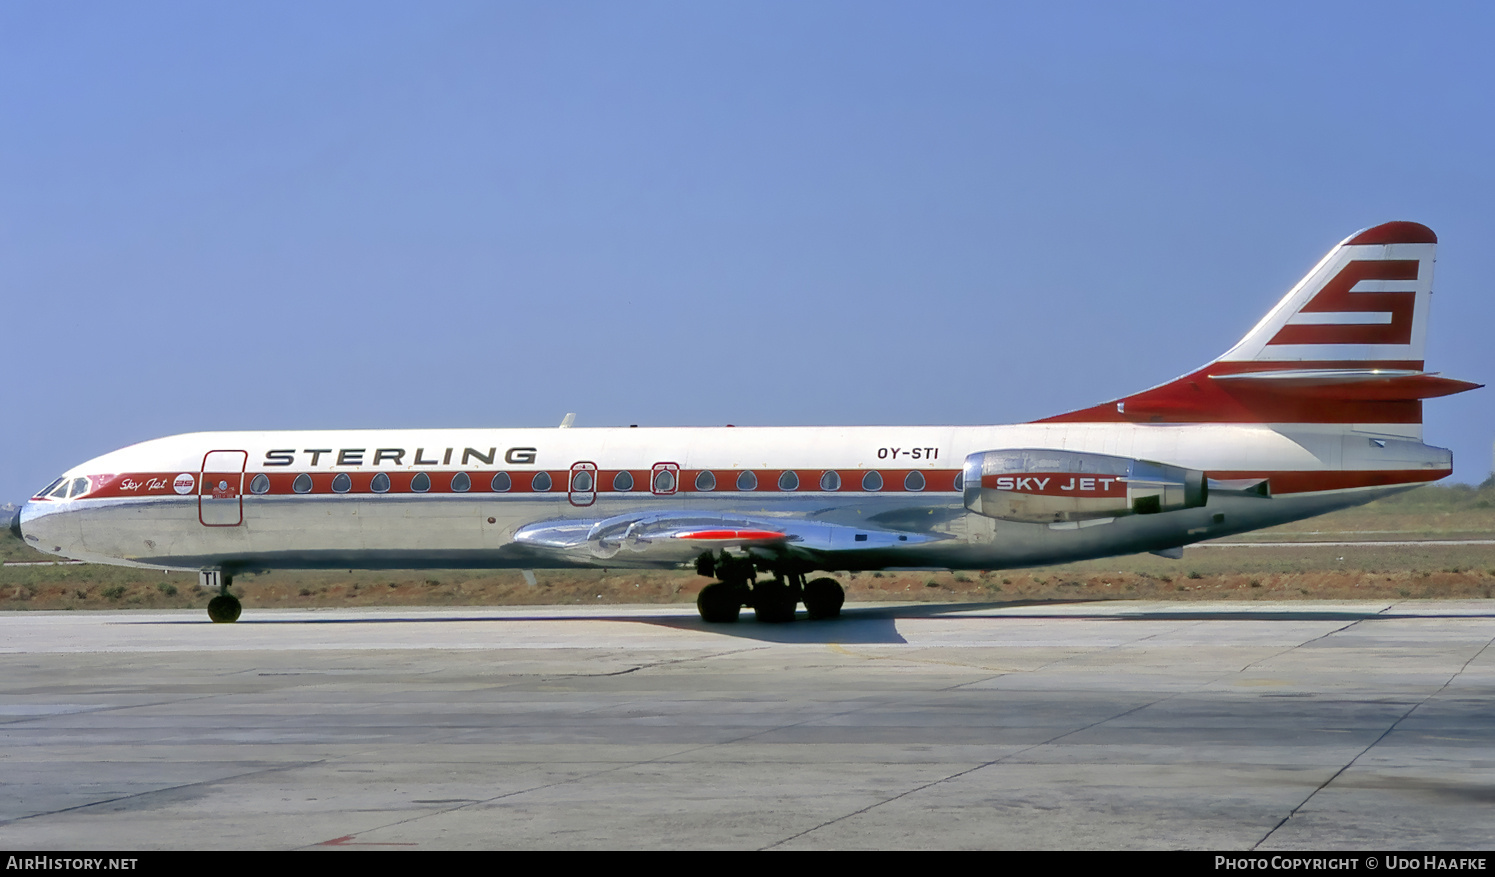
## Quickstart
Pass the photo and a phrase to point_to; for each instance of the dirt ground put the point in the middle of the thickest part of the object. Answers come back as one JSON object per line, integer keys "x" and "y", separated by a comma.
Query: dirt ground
{"x": 80, "y": 587}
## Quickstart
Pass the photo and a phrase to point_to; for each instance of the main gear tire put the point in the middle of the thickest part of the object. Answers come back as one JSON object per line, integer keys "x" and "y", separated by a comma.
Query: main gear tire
{"x": 719, "y": 603}
{"x": 824, "y": 598}
{"x": 774, "y": 601}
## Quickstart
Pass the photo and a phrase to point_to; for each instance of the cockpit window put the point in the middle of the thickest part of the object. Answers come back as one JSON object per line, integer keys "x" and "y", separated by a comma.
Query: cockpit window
{"x": 60, "y": 492}
{"x": 48, "y": 489}
{"x": 80, "y": 487}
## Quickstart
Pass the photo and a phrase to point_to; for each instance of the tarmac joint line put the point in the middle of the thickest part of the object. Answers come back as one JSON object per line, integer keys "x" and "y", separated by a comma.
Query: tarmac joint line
{"x": 960, "y": 773}
{"x": 176, "y": 788}
{"x": 1384, "y": 734}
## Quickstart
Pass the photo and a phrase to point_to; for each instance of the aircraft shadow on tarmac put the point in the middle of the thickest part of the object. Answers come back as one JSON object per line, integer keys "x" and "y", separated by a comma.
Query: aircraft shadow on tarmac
{"x": 874, "y": 624}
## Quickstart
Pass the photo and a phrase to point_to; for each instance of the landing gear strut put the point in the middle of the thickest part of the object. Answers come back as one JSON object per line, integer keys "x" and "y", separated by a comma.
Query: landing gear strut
{"x": 224, "y": 608}
{"x": 773, "y": 600}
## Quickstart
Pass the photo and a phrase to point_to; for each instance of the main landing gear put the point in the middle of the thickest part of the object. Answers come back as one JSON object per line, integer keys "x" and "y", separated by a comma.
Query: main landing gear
{"x": 224, "y": 608}
{"x": 772, "y": 600}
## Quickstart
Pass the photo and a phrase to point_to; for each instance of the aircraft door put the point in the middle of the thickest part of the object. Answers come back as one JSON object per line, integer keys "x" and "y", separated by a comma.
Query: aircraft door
{"x": 220, "y": 501}
{"x": 583, "y": 490}
{"x": 664, "y": 479}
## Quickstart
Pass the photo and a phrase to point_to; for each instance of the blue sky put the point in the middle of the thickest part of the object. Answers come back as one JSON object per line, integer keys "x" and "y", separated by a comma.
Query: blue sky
{"x": 299, "y": 215}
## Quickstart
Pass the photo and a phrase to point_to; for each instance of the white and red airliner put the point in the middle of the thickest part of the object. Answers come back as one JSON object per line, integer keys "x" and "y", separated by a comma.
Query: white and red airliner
{"x": 1319, "y": 407}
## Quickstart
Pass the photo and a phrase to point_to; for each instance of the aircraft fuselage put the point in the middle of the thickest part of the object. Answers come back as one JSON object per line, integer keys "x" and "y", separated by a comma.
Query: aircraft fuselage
{"x": 366, "y": 499}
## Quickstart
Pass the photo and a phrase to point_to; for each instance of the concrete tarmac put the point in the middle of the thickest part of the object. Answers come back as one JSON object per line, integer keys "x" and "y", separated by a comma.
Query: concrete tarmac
{"x": 1110, "y": 725}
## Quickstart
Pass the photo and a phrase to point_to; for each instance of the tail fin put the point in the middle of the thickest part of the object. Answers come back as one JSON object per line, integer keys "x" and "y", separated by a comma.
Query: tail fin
{"x": 1364, "y": 305}
{"x": 1345, "y": 345}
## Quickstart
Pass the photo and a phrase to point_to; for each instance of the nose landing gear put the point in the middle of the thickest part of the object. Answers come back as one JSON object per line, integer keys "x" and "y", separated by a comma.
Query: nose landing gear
{"x": 772, "y": 600}
{"x": 224, "y": 608}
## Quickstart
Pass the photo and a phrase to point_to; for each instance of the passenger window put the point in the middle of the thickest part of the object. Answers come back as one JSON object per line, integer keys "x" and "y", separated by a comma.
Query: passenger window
{"x": 581, "y": 482}
{"x": 872, "y": 481}
{"x": 830, "y": 481}
{"x": 420, "y": 483}
{"x": 501, "y": 483}
{"x": 380, "y": 484}
{"x": 541, "y": 482}
{"x": 789, "y": 481}
{"x": 747, "y": 481}
{"x": 259, "y": 485}
{"x": 664, "y": 481}
{"x": 960, "y": 481}
{"x": 302, "y": 484}
{"x": 705, "y": 480}
{"x": 914, "y": 481}
{"x": 461, "y": 483}
{"x": 623, "y": 480}
{"x": 341, "y": 483}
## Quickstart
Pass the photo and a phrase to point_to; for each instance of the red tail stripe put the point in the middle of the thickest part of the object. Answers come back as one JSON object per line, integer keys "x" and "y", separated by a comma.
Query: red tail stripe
{"x": 1395, "y": 233}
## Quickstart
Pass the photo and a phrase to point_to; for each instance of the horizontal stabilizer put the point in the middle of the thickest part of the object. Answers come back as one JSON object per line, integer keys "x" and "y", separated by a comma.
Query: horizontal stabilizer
{"x": 1347, "y": 384}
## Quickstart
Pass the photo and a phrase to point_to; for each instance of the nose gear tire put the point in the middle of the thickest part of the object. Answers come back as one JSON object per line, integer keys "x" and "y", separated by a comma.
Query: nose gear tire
{"x": 224, "y": 609}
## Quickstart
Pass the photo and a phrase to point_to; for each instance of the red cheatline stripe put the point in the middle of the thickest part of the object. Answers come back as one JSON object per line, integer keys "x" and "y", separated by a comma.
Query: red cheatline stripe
{"x": 1312, "y": 482}
{"x": 282, "y": 483}
{"x": 938, "y": 481}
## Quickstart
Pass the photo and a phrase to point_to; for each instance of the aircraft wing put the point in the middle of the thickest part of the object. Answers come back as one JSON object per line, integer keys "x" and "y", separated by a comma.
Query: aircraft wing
{"x": 682, "y": 536}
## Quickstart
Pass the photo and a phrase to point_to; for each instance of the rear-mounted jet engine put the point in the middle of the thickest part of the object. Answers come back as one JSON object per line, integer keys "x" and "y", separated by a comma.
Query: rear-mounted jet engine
{"x": 1043, "y": 486}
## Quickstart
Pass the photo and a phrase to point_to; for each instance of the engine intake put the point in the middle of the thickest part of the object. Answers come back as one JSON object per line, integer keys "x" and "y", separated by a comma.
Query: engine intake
{"x": 1046, "y": 486}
